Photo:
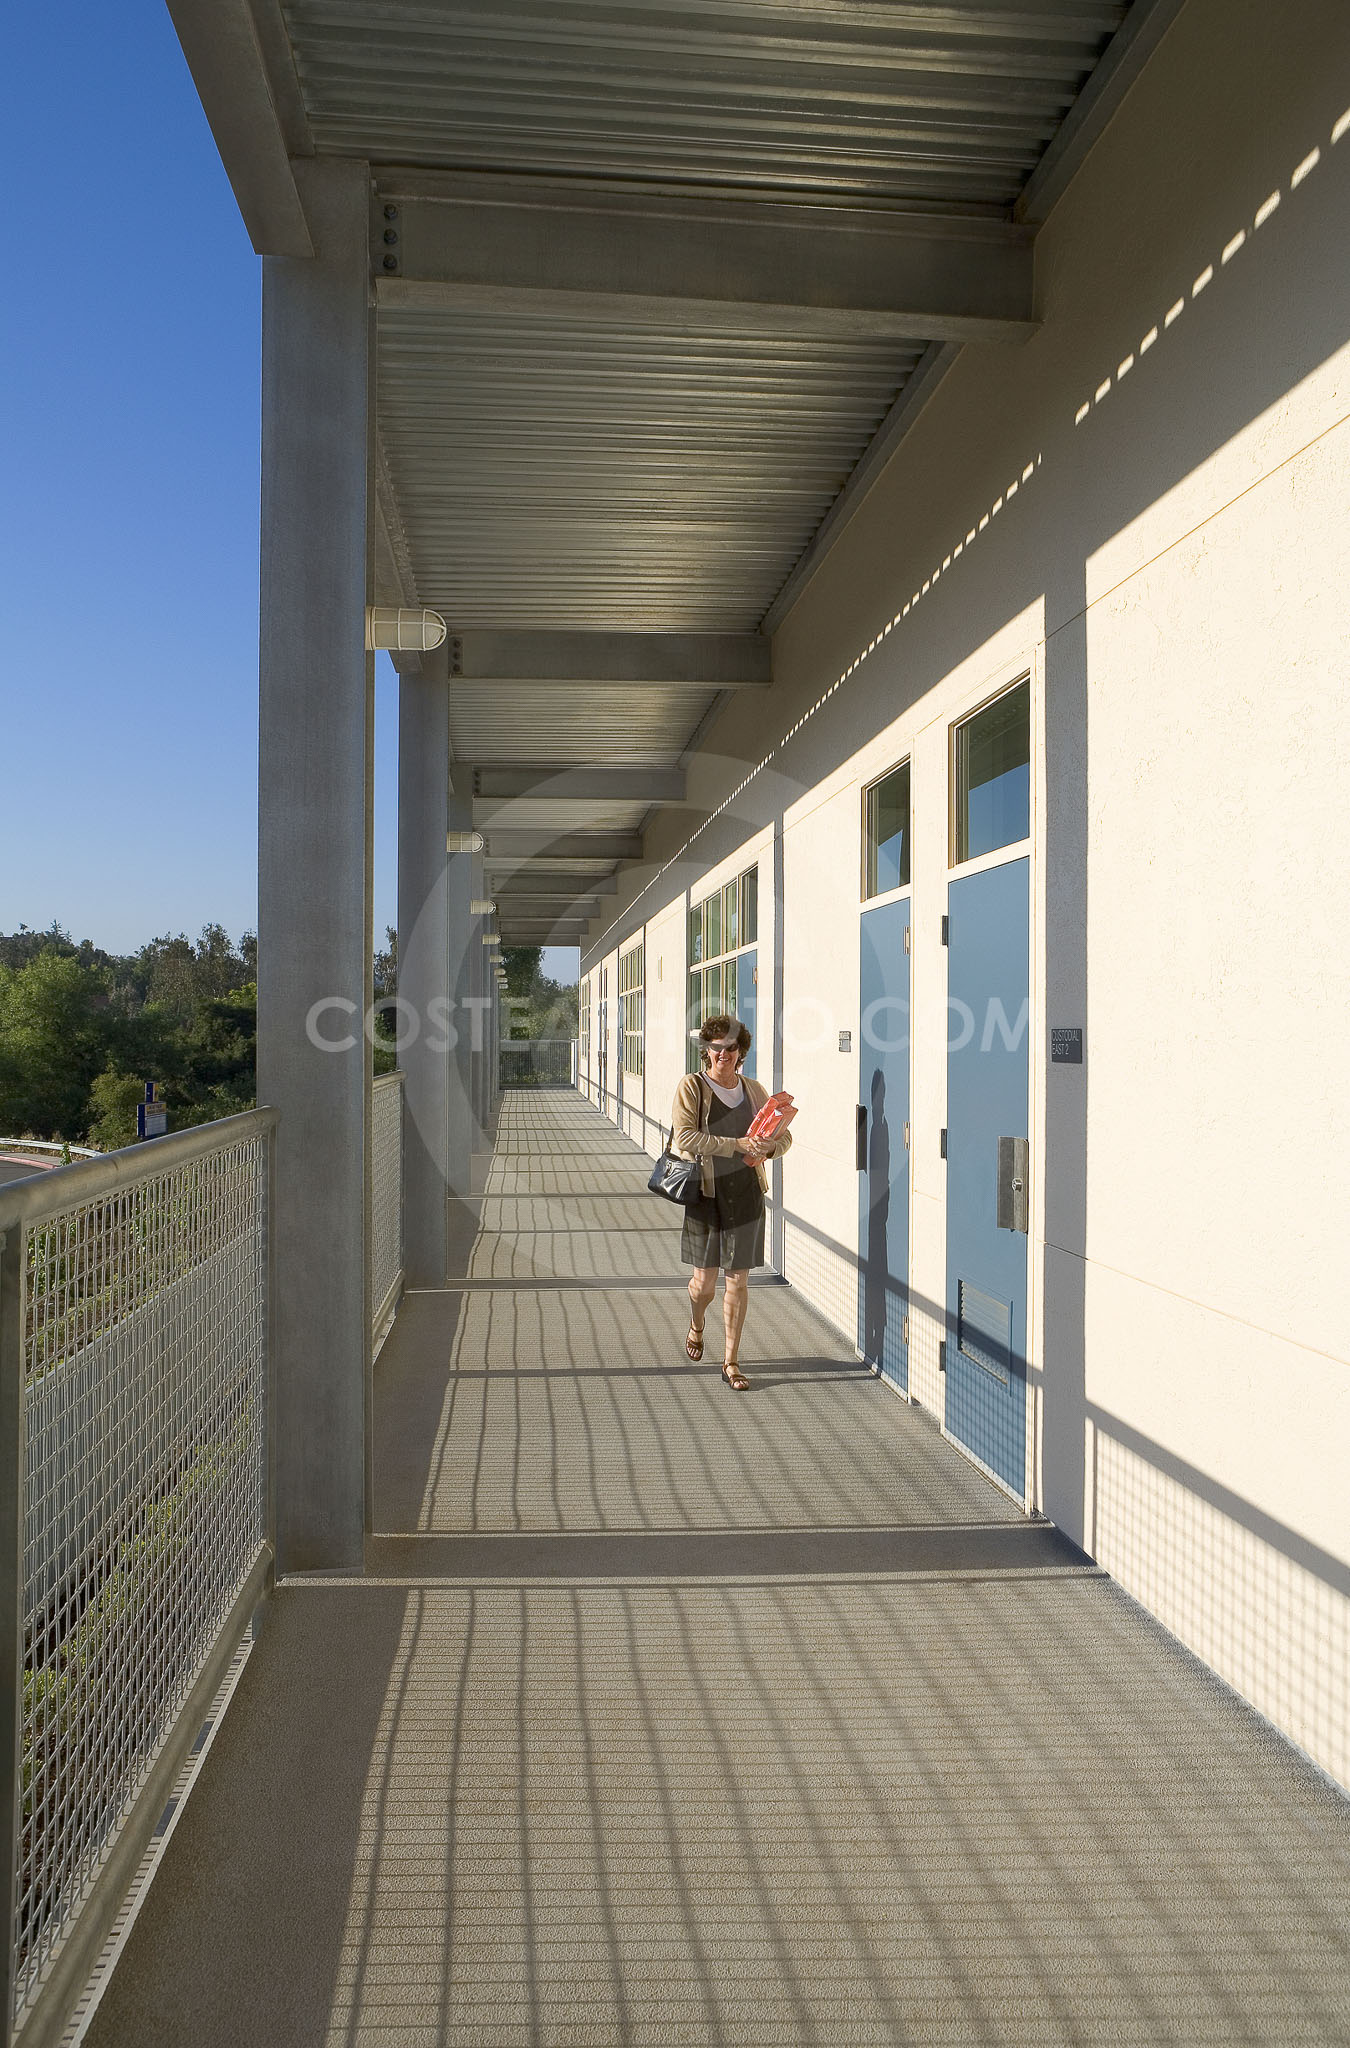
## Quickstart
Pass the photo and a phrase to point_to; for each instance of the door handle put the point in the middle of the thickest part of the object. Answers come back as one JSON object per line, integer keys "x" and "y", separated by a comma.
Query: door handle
{"x": 1013, "y": 1186}
{"x": 860, "y": 1139}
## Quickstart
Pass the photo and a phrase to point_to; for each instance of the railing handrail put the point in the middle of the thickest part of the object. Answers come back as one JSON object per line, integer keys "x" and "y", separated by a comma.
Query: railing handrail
{"x": 43, "y": 1194}
{"x": 394, "y": 1074}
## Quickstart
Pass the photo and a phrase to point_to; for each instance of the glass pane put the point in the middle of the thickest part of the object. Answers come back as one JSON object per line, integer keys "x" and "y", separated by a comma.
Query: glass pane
{"x": 712, "y": 992}
{"x": 729, "y": 918}
{"x": 693, "y": 1017}
{"x": 729, "y": 988}
{"x": 888, "y": 833}
{"x": 993, "y": 776}
{"x": 749, "y": 906}
{"x": 696, "y": 934}
{"x": 712, "y": 927}
{"x": 746, "y": 1004}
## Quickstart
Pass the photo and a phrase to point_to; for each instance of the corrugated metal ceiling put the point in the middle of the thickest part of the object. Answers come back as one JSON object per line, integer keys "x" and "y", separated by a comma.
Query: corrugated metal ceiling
{"x": 565, "y": 472}
{"x": 575, "y": 725}
{"x": 555, "y": 472}
{"x": 949, "y": 103}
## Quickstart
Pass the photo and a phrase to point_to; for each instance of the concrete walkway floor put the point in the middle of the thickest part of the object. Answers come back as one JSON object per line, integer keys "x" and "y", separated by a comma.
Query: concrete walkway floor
{"x": 667, "y": 1715}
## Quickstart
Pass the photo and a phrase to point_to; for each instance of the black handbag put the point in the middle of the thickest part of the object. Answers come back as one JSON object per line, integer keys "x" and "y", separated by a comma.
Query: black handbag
{"x": 679, "y": 1180}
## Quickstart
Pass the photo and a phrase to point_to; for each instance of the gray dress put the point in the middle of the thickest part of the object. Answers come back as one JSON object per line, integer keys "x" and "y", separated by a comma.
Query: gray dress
{"x": 726, "y": 1228}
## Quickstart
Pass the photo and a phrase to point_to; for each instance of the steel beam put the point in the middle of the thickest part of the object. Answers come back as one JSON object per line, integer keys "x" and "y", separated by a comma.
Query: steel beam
{"x": 704, "y": 661}
{"x": 254, "y": 109}
{"x": 516, "y": 880}
{"x": 581, "y": 785}
{"x": 475, "y": 241}
{"x": 527, "y": 904}
{"x": 520, "y": 842}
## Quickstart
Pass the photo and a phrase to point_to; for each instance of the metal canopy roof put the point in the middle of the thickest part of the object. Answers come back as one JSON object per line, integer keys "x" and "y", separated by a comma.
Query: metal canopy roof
{"x": 659, "y": 287}
{"x": 949, "y": 103}
{"x": 618, "y": 478}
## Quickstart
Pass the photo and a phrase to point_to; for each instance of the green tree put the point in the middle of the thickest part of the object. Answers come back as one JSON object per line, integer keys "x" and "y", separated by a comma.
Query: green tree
{"x": 55, "y": 1028}
{"x": 538, "y": 1007}
{"x": 112, "y": 1109}
{"x": 218, "y": 1071}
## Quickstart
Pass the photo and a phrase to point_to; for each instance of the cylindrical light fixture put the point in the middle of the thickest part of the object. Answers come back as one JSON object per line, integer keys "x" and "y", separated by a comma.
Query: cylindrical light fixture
{"x": 464, "y": 842}
{"x": 403, "y": 629}
{"x": 484, "y": 908}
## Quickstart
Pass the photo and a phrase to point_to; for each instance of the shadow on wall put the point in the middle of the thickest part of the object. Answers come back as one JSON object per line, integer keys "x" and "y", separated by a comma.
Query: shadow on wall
{"x": 1247, "y": 1594}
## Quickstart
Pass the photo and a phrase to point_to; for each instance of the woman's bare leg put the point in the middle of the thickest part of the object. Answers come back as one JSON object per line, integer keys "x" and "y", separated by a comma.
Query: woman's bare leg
{"x": 702, "y": 1287}
{"x": 735, "y": 1301}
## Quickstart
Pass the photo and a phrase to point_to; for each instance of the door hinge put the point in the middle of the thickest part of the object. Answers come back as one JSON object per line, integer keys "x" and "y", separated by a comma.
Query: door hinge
{"x": 904, "y": 1332}
{"x": 942, "y": 1356}
{"x": 906, "y": 1134}
{"x": 942, "y": 1142}
{"x": 946, "y": 931}
{"x": 906, "y": 938}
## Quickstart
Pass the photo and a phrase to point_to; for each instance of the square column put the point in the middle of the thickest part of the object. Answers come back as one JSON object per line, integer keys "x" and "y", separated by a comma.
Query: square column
{"x": 425, "y": 982}
{"x": 464, "y": 967}
{"x": 315, "y": 862}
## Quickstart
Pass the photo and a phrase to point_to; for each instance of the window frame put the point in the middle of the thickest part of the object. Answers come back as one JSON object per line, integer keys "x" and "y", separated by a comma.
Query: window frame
{"x": 632, "y": 1007}
{"x": 900, "y": 888}
{"x": 1011, "y": 848}
{"x": 696, "y": 971}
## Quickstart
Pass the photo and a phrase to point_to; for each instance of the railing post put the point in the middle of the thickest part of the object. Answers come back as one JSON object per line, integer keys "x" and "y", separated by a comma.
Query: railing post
{"x": 11, "y": 1606}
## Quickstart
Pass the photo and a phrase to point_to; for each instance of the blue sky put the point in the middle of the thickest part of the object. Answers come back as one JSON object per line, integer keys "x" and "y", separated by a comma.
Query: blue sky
{"x": 128, "y": 771}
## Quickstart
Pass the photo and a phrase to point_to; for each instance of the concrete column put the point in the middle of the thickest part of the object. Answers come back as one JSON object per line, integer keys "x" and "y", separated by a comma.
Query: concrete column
{"x": 463, "y": 930}
{"x": 482, "y": 1036}
{"x": 424, "y": 970}
{"x": 314, "y": 861}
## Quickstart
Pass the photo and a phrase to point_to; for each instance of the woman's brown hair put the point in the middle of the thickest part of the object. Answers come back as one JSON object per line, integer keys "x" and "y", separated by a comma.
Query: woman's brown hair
{"x": 717, "y": 1030}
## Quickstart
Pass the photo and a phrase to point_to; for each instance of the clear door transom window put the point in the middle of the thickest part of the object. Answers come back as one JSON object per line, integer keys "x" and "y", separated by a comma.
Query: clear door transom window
{"x": 992, "y": 781}
{"x": 886, "y": 833}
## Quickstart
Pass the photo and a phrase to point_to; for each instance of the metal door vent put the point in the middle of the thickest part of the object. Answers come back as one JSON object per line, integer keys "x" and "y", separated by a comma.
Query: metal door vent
{"x": 984, "y": 1331}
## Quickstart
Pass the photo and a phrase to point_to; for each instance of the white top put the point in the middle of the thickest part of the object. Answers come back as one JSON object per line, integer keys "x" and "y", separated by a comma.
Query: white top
{"x": 729, "y": 1097}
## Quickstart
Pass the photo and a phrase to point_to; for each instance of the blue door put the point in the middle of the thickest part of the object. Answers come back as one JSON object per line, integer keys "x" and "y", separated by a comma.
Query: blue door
{"x": 987, "y": 1075}
{"x": 883, "y": 1142}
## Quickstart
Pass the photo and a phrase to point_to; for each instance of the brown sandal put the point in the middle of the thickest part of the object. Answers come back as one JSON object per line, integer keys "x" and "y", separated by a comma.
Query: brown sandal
{"x": 734, "y": 1377}
{"x": 693, "y": 1344}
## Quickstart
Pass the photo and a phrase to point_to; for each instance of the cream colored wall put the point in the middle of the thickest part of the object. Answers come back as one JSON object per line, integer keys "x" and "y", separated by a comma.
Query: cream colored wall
{"x": 664, "y": 1051}
{"x": 586, "y": 1004}
{"x": 1145, "y": 508}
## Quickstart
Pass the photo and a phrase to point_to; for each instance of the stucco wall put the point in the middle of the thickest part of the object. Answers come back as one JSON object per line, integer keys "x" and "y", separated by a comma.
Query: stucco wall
{"x": 1144, "y": 508}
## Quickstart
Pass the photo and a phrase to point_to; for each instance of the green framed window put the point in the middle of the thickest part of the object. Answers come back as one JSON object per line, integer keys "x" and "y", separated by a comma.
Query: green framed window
{"x": 722, "y": 926}
{"x": 632, "y": 989}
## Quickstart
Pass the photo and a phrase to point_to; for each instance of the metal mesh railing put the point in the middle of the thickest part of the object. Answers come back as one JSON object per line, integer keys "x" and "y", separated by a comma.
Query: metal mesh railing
{"x": 537, "y": 1063}
{"x": 133, "y": 1334}
{"x": 386, "y": 1198}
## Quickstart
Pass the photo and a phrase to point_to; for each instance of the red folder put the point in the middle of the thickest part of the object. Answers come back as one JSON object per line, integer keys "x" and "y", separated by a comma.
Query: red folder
{"x": 772, "y": 1119}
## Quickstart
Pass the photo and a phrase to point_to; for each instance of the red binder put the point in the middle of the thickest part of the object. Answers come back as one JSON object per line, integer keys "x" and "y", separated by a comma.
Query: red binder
{"x": 769, "y": 1122}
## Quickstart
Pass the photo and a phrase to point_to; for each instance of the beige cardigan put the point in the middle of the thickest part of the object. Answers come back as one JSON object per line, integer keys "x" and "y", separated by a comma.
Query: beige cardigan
{"x": 691, "y": 1140}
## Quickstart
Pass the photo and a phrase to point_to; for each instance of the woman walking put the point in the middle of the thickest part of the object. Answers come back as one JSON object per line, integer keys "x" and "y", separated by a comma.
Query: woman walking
{"x": 724, "y": 1228}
